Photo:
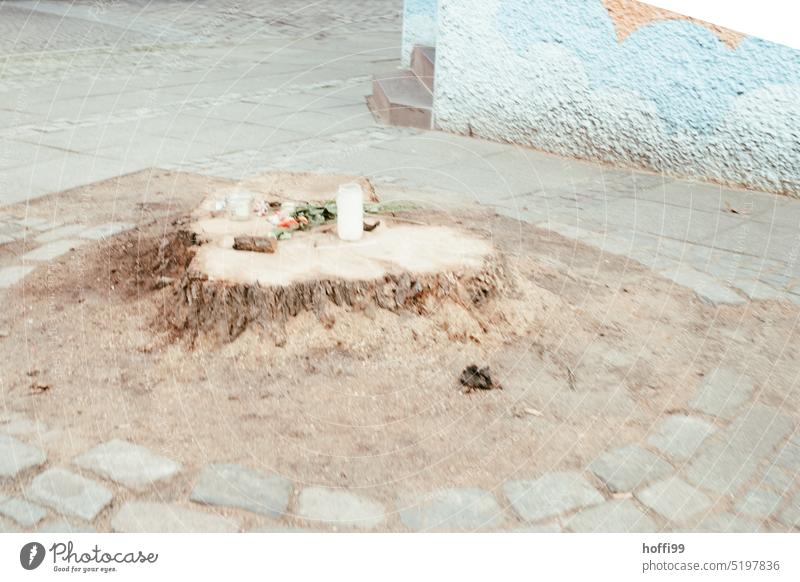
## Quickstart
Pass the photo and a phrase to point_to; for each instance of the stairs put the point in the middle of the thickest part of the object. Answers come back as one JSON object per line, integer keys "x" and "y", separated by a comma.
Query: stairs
{"x": 423, "y": 61}
{"x": 405, "y": 97}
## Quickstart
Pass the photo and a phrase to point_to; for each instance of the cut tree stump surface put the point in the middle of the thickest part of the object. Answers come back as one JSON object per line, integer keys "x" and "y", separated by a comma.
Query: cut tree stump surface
{"x": 388, "y": 250}
{"x": 398, "y": 265}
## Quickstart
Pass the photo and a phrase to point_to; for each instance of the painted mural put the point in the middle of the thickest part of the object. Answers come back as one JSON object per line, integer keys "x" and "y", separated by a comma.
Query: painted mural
{"x": 623, "y": 82}
{"x": 419, "y": 26}
{"x": 630, "y": 15}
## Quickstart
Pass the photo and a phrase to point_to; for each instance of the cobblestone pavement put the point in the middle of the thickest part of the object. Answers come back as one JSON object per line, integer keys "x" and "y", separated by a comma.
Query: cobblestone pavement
{"x": 92, "y": 90}
{"x": 690, "y": 475}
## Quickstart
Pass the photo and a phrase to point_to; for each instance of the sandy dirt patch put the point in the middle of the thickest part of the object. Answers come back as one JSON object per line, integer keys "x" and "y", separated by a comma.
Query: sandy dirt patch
{"x": 597, "y": 346}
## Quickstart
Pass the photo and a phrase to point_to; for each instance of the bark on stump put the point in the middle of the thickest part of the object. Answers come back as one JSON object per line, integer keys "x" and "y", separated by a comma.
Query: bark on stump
{"x": 222, "y": 309}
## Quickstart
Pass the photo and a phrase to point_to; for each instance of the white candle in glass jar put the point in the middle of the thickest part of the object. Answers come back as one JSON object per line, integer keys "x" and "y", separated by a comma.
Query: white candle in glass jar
{"x": 240, "y": 204}
{"x": 350, "y": 212}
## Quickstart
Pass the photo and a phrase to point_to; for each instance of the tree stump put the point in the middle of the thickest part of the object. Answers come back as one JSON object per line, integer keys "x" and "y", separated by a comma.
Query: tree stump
{"x": 397, "y": 266}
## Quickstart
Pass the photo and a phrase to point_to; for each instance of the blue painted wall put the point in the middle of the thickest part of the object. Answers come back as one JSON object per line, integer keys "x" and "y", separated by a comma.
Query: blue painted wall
{"x": 419, "y": 25}
{"x": 670, "y": 97}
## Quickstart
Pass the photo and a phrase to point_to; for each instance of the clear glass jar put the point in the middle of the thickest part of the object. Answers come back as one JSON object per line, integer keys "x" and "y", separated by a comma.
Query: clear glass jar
{"x": 240, "y": 205}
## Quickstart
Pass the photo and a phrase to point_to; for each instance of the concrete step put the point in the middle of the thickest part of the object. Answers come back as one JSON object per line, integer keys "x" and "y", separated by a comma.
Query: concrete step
{"x": 401, "y": 98}
{"x": 423, "y": 63}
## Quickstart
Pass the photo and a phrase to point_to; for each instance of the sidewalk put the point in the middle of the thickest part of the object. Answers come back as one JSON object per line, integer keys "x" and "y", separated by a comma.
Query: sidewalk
{"x": 250, "y": 100}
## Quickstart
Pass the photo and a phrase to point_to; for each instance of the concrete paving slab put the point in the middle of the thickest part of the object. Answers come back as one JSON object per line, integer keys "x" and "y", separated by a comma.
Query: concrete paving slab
{"x": 24, "y": 513}
{"x": 616, "y": 516}
{"x": 15, "y": 153}
{"x": 106, "y": 230}
{"x": 674, "y": 499}
{"x": 62, "y": 173}
{"x": 722, "y": 392}
{"x": 734, "y": 455}
{"x": 12, "y": 275}
{"x": 679, "y": 436}
{"x": 62, "y": 232}
{"x": 551, "y": 495}
{"x": 130, "y": 465}
{"x": 339, "y": 508}
{"x": 17, "y": 456}
{"x": 69, "y": 493}
{"x": 628, "y": 467}
{"x": 759, "y": 291}
{"x": 18, "y": 186}
{"x": 52, "y": 250}
{"x": 707, "y": 288}
{"x": 451, "y": 510}
{"x": 228, "y": 485}
{"x": 759, "y": 503}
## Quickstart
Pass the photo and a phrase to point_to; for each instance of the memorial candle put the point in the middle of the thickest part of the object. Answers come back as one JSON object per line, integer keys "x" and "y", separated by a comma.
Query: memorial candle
{"x": 350, "y": 212}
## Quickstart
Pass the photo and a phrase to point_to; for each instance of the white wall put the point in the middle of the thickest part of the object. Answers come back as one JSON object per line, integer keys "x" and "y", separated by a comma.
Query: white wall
{"x": 669, "y": 97}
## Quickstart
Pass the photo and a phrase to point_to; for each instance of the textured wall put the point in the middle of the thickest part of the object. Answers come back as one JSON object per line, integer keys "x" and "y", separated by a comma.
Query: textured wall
{"x": 589, "y": 78}
{"x": 419, "y": 25}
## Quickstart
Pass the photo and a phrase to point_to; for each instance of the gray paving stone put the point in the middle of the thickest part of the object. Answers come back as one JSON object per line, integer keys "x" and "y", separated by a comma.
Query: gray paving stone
{"x": 778, "y": 278}
{"x": 551, "y": 495}
{"x": 789, "y": 455}
{"x": 680, "y": 436}
{"x": 62, "y": 526}
{"x": 53, "y": 250}
{"x": 735, "y": 454}
{"x": 8, "y": 527}
{"x": 708, "y": 288}
{"x": 728, "y": 523}
{"x": 106, "y": 230}
{"x": 68, "y": 231}
{"x": 238, "y": 486}
{"x": 16, "y": 456}
{"x": 550, "y": 527}
{"x": 450, "y": 510}
{"x": 626, "y": 468}
{"x": 778, "y": 479}
{"x": 131, "y": 465}
{"x": 722, "y": 392}
{"x": 145, "y": 517}
{"x": 790, "y": 515}
{"x": 69, "y": 494}
{"x": 674, "y": 499}
{"x": 339, "y": 508}
{"x": 21, "y": 511}
{"x": 11, "y": 275}
{"x": 759, "y": 503}
{"x": 33, "y": 222}
{"x": 616, "y": 516}
{"x": 759, "y": 291}
{"x": 11, "y": 232}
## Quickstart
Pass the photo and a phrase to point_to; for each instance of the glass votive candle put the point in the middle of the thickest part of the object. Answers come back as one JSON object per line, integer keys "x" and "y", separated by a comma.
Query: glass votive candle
{"x": 240, "y": 205}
